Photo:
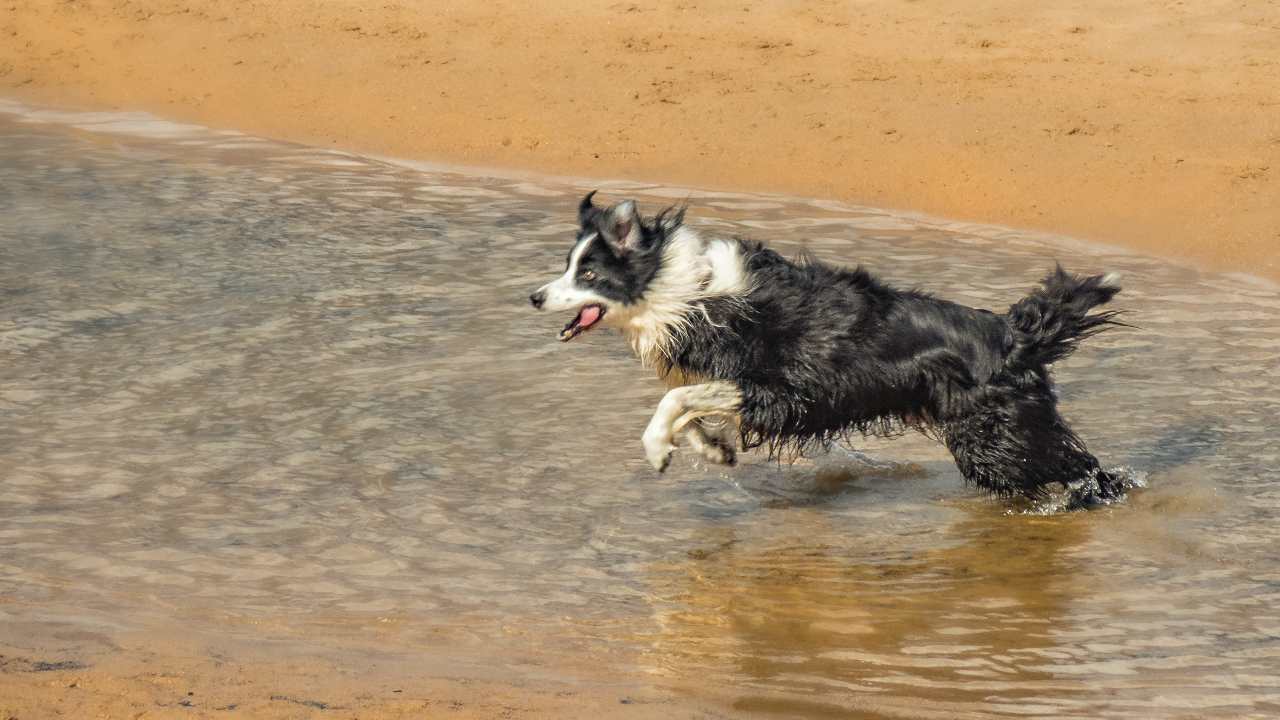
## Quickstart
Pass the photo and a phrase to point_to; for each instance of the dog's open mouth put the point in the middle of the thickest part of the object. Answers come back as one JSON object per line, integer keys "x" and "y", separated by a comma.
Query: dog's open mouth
{"x": 588, "y": 316}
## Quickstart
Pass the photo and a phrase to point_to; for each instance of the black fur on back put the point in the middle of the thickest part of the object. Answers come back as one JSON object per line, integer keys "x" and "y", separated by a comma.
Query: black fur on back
{"x": 821, "y": 352}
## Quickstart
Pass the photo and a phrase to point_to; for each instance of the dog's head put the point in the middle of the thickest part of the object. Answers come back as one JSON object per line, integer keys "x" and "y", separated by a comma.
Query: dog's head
{"x": 614, "y": 257}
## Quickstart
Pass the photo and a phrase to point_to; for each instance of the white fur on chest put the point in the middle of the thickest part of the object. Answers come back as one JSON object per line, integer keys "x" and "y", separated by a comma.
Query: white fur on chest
{"x": 693, "y": 269}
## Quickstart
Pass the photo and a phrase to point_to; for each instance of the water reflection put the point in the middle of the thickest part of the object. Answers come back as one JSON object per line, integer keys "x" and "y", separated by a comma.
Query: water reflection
{"x": 796, "y": 619}
{"x": 246, "y": 384}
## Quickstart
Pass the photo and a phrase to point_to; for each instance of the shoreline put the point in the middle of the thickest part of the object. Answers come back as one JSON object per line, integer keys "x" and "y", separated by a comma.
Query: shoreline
{"x": 1075, "y": 121}
{"x": 159, "y": 674}
{"x": 156, "y": 128}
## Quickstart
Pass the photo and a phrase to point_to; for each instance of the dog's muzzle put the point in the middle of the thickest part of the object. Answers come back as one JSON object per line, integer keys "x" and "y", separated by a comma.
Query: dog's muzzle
{"x": 537, "y": 299}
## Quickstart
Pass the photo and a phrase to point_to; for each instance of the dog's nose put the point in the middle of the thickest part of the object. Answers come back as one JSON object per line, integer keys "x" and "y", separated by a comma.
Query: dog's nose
{"x": 537, "y": 299}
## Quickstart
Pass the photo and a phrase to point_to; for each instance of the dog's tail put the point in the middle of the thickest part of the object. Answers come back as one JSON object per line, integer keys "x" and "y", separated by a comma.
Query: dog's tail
{"x": 1051, "y": 321}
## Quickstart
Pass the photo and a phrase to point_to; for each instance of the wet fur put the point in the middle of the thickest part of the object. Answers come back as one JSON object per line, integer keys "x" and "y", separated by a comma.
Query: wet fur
{"x": 819, "y": 352}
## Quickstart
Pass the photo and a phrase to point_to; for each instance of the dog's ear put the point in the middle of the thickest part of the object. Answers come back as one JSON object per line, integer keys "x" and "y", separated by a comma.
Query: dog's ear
{"x": 670, "y": 220}
{"x": 587, "y": 211}
{"x": 621, "y": 227}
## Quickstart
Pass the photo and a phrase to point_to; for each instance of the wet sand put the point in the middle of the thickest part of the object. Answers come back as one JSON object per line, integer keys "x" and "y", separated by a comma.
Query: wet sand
{"x": 1154, "y": 127}
{"x": 161, "y": 676}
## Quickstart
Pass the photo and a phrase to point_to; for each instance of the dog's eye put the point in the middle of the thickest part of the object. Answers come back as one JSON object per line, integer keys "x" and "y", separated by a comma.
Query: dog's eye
{"x": 588, "y": 275}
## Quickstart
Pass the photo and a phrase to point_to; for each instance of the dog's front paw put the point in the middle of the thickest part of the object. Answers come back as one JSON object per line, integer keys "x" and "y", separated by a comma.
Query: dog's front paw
{"x": 657, "y": 450}
{"x": 720, "y": 454}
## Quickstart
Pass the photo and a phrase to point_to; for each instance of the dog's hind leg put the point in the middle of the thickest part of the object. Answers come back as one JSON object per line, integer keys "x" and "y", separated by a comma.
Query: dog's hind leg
{"x": 1015, "y": 442}
{"x": 712, "y": 439}
{"x": 679, "y": 408}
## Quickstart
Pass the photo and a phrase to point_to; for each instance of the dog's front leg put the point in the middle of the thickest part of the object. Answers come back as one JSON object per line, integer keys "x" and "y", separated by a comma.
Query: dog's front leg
{"x": 714, "y": 439}
{"x": 681, "y": 406}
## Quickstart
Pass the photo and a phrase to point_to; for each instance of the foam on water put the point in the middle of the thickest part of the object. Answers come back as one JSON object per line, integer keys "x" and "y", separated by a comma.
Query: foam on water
{"x": 247, "y": 385}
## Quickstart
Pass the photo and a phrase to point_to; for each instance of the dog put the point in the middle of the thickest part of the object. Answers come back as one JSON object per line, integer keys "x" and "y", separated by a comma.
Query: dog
{"x": 795, "y": 355}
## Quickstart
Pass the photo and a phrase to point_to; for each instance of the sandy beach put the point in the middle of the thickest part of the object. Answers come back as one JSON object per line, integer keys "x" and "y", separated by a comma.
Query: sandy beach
{"x": 240, "y": 401}
{"x": 1155, "y": 127}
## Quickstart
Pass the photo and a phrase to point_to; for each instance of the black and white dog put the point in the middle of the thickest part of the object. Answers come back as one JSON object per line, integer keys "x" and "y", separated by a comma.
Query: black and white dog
{"x": 794, "y": 355}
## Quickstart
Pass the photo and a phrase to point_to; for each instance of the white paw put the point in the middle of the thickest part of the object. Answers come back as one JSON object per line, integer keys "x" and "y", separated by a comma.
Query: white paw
{"x": 719, "y": 454}
{"x": 658, "y": 449}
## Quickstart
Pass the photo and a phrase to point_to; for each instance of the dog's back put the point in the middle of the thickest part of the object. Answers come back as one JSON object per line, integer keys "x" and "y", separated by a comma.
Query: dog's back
{"x": 820, "y": 352}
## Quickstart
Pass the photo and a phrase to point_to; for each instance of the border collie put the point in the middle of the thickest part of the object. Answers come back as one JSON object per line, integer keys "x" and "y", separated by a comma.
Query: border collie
{"x": 794, "y": 355}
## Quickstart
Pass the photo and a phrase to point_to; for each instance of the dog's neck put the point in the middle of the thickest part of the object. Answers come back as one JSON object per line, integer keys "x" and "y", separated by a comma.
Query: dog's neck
{"x": 693, "y": 270}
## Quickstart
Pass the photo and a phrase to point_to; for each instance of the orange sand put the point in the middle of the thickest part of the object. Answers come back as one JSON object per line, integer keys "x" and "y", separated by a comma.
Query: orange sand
{"x": 1150, "y": 125}
{"x": 152, "y": 675}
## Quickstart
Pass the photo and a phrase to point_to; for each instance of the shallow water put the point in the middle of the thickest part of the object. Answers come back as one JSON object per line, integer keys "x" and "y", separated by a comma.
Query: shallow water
{"x": 248, "y": 384}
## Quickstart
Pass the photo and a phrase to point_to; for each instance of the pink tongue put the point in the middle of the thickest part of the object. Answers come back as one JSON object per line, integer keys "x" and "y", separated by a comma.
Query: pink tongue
{"x": 590, "y": 314}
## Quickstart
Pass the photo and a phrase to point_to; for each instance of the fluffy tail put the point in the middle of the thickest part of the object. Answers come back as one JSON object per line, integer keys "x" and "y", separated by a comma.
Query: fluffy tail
{"x": 1054, "y": 318}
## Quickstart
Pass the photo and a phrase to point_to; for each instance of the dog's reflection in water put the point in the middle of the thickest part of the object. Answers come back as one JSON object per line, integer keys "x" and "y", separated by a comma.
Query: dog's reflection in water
{"x": 828, "y": 609}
